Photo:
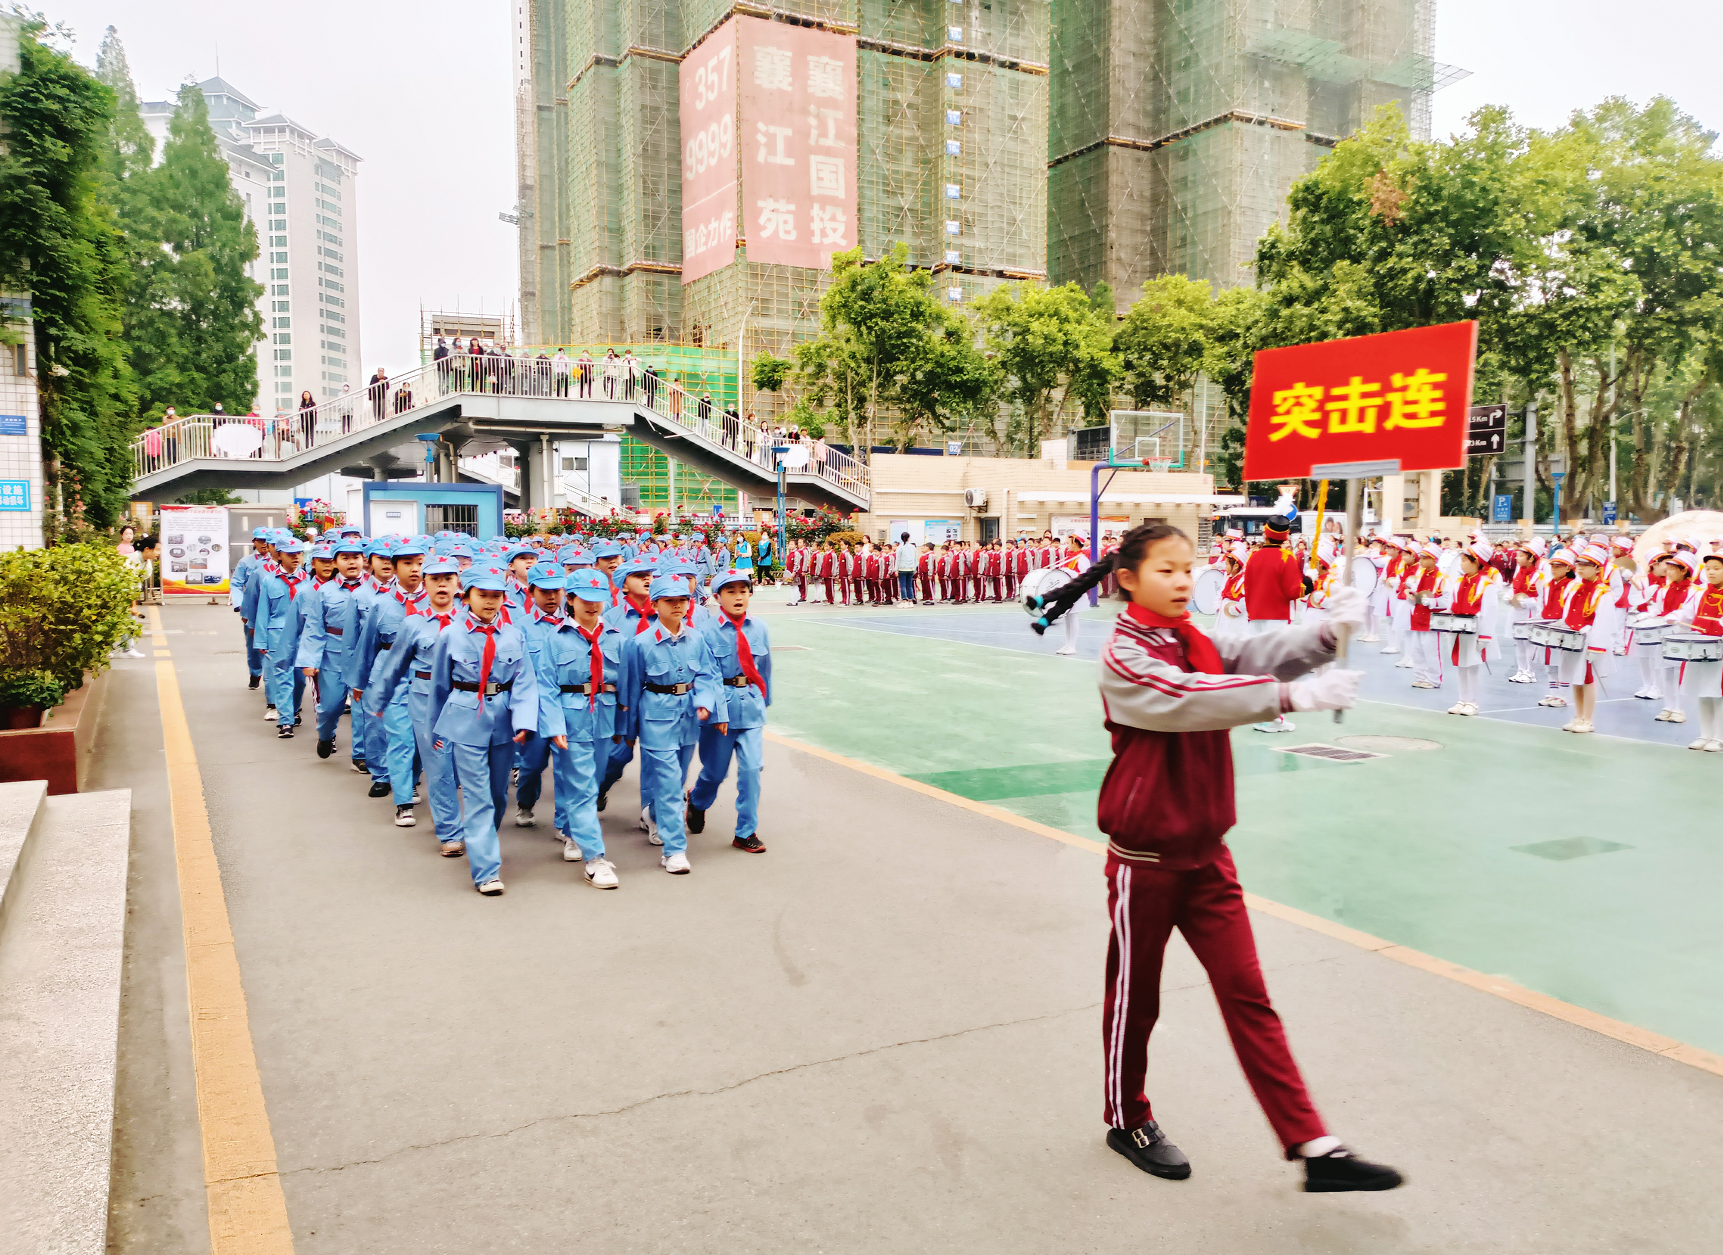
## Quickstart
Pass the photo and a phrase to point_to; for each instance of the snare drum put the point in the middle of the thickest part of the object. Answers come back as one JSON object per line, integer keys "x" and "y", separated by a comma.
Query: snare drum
{"x": 1648, "y": 630}
{"x": 1567, "y": 639}
{"x": 1682, "y": 647}
{"x": 1523, "y": 630}
{"x": 1440, "y": 622}
{"x": 1541, "y": 631}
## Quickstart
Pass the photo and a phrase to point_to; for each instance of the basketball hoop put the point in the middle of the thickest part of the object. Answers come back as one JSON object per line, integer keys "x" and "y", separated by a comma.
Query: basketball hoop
{"x": 1159, "y": 464}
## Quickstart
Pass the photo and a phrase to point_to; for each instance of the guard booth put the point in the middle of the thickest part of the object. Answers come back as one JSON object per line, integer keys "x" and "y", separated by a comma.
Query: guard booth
{"x": 413, "y": 509}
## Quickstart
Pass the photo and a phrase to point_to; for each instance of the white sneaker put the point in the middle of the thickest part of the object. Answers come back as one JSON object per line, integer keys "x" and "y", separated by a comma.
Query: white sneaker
{"x": 676, "y": 864}
{"x": 1663, "y": 716}
{"x": 1404, "y": 662}
{"x": 570, "y": 851}
{"x": 1390, "y": 649}
{"x": 1458, "y": 708}
{"x": 1582, "y": 726}
{"x": 491, "y": 888}
{"x": 1368, "y": 638}
{"x": 650, "y": 825}
{"x": 270, "y": 716}
{"x": 1553, "y": 700}
{"x": 1471, "y": 709}
{"x": 418, "y": 798}
{"x": 404, "y": 817}
{"x": 600, "y": 874}
{"x": 1425, "y": 684}
{"x": 1572, "y": 725}
{"x": 1700, "y": 744}
{"x": 452, "y": 849}
{"x": 524, "y": 819}
{"x": 1677, "y": 716}
{"x": 1715, "y": 747}
{"x": 1065, "y": 650}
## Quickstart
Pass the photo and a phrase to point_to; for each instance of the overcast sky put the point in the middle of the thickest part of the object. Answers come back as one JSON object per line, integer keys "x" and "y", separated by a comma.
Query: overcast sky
{"x": 422, "y": 93}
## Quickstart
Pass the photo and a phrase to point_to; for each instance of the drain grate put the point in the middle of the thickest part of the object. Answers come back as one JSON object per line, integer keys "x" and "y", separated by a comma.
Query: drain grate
{"x": 1331, "y": 753}
{"x": 1387, "y": 744}
{"x": 1565, "y": 848}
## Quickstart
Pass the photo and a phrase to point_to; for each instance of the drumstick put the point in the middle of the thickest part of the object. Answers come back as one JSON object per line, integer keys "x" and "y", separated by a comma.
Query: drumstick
{"x": 1354, "y": 523}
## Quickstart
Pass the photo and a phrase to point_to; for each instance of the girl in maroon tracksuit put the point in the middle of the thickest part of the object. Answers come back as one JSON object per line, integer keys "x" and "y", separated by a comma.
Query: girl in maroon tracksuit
{"x": 1170, "y": 696}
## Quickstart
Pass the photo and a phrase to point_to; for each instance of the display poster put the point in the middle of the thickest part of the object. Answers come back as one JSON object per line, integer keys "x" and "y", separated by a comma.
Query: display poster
{"x": 938, "y": 531}
{"x": 194, "y": 549}
{"x": 1078, "y": 524}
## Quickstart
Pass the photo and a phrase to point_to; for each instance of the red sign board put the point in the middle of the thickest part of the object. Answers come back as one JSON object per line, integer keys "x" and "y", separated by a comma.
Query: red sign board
{"x": 1398, "y": 397}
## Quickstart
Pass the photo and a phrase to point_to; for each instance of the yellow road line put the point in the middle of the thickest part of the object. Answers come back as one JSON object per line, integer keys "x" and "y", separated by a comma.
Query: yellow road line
{"x": 1567, "y": 1012}
{"x": 247, "y": 1209}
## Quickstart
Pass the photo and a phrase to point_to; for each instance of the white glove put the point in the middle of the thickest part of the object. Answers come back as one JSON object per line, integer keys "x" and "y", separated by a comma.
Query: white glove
{"x": 1346, "y": 607}
{"x": 1332, "y": 690}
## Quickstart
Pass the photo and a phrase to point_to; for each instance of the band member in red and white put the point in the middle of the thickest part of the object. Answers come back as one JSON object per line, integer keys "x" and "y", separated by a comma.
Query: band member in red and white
{"x": 1587, "y": 606}
{"x": 1471, "y": 594}
{"x": 1076, "y": 561}
{"x": 1551, "y": 586}
{"x": 1422, "y": 590}
{"x": 1388, "y": 595}
{"x": 1700, "y": 680}
{"x": 1521, "y": 596}
{"x": 1230, "y": 618}
{"x": 1272, "y": 582}
{"x": 1674, "y": 597}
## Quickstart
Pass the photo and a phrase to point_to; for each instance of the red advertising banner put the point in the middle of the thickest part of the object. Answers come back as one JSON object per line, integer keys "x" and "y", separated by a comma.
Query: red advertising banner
{"x": 1400, "y": 397}
{"x": 706, "y": 82}
{"x": 798, "y": 142}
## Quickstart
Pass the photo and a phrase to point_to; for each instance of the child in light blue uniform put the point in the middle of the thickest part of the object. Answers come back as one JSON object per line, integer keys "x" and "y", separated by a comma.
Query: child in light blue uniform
{"x": 583, "y": 658}
{"x": 484, "y": 702}
{"x": 746, "y": 677}
{"x": 410, "y": 659}
{"x": 391, "y": 756}
{"x": 277, "y": 627}
{"x": 670, "y": 688}
{"x": 631, "y": 615}
{"x": 245, "y": 573}
{"x": 544, "y": 615}
{"x": 329, "y": 637}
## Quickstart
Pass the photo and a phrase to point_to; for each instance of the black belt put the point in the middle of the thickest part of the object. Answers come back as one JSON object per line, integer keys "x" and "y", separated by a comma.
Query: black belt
{"x": 491, "y": 689}
{"x": 674, "y": 689}
{"x": 738, "y": 682}
{"x": 422, "y": 675}
{"x": 585, "y": 690}
{"x": 334, "y": 631}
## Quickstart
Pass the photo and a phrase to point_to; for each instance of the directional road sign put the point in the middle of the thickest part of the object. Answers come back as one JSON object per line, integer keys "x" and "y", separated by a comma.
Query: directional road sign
{"x": 1486, "y": 429}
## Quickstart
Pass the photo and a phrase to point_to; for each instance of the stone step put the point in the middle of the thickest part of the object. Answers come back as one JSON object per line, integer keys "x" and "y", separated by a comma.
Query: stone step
{"x": 20, "y": 816}
{"x": 61, "y": 954}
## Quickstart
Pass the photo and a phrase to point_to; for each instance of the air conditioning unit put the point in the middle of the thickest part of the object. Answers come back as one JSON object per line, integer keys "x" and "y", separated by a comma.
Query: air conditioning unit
{"x": 975, "y": 498}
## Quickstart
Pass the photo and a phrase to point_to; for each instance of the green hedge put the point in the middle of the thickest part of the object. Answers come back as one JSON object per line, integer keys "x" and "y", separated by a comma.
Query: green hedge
{"x": 61, "y": 611}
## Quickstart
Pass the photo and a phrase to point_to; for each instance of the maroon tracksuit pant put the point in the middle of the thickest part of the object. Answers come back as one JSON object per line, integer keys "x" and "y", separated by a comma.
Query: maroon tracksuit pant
{"x": 1207, "y": 905}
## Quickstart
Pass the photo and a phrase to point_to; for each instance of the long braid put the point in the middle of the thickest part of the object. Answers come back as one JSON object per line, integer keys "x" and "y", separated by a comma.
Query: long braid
{"x": 1069, "y": 594}
{"x": 1133, "y": 549}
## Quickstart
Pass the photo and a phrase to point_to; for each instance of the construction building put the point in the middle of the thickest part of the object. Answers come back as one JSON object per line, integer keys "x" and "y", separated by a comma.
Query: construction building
{"x": 950, "y": 127}
{"x": 1178, "y": 126}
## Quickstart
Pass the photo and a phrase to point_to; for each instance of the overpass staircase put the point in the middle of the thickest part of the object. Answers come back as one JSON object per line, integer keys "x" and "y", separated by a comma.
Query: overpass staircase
{"x": 478, "y": 404}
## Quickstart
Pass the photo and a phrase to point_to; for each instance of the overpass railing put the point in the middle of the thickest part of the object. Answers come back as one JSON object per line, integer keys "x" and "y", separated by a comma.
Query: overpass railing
{"x": 287, "y": 434}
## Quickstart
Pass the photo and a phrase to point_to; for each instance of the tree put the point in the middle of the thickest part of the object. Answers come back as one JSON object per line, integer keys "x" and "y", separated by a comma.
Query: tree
{"x": 1163, "y": 342}
{"x": 192, "y": 324}
{"x": 59, "y": 242}
{"x": 132, "y": 148}
{"x": 1051, "y": 347}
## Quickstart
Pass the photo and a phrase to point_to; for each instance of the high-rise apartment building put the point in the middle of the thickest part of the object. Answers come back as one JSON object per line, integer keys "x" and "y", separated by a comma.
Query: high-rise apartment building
{"x": 1178, "y": 126}
{"x": 948, "y": 112}
{"x": 299, "y": 191}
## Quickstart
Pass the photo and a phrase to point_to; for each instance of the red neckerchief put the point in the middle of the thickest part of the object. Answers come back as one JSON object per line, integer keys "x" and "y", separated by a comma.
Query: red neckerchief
{"x": 1553, "y": 595}
{"x": 597, "y": 662}
{"x": 1524, "y": 577}
{"x": 745, "y": 652}
{"x": 1200, "y": 652}
{"x": 490, "y": 654}
{"x": 292, "y": 582}
{"x": 348, "y": 584}
{"x": 644, "y": 611}
{"x": 1674, "y": 595}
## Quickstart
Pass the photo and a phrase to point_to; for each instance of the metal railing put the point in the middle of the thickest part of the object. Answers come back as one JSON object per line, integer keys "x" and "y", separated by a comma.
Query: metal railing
{"x": 290, "y": 433}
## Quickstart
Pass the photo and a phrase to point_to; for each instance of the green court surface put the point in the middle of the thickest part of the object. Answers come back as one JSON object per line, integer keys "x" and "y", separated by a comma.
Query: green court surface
{"x": 1582, "y": 867}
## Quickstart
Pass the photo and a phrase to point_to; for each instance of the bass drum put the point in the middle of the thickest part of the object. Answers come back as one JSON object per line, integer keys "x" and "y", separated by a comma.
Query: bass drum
{"x": 1365, "y": 576}
{"x": 1205, "y": 593}
{"x": 1042, "y": 582}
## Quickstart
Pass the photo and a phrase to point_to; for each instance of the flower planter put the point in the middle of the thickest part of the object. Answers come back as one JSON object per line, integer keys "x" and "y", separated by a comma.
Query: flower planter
{"x": 19, "y": 718}
{"x": 57, "y": 750}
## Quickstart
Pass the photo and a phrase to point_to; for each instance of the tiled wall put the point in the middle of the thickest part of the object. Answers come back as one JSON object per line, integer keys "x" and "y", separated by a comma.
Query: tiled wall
{"x": 20, "y": 453}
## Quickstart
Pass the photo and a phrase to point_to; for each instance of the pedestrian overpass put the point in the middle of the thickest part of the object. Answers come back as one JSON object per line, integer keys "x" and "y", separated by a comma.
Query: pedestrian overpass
{"x": 472, "y": 405}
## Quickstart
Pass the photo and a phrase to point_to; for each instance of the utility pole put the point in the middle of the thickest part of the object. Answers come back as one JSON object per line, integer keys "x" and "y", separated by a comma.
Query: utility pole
{"x": 1614, "y": 401}
{"x": 1531, "y": 467}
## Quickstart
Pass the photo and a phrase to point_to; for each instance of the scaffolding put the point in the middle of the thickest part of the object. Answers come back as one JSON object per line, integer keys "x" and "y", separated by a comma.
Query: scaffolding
{"x": 951, "y": 124}
{"x": 1177, "y": 127}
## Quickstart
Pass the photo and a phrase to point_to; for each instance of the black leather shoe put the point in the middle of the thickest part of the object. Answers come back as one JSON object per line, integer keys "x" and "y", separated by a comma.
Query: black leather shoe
{"x": 1340, "y": 1171}
{"x": 380, "y": 788}
{"x": 750, "y": 843}
{"x": 695, "y": 819}
{"x": 325, "y": 748}
{"x": 1150, "y": 1150}
{"x": 255, "y": 681}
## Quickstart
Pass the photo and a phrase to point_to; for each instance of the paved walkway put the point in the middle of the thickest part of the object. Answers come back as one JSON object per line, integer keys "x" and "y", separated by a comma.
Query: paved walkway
{"x": 881, "y": 1036}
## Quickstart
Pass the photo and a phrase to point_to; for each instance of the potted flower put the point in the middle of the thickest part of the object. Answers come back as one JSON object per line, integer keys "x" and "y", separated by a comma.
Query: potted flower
{"x": 25, "y": 695}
